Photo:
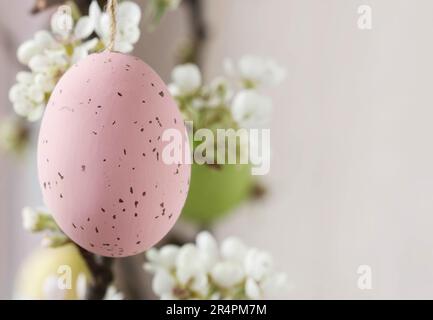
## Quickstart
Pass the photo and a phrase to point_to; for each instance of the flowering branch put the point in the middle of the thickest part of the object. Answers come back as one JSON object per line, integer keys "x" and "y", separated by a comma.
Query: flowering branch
{"x": 100, "y": 267}
{"x": 193, "y": 52}
{"x": 205, "y": 270}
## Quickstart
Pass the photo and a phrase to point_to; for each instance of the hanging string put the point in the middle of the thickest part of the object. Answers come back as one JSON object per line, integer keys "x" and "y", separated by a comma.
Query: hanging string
{"x": 112, "y": 10}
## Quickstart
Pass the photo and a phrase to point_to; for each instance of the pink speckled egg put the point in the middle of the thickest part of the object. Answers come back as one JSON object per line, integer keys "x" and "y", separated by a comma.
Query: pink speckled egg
{"x": 100, "y": 156}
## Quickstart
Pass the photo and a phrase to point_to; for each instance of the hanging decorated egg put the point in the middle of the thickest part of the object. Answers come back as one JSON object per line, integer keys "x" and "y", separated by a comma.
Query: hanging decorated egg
{"x": 100, "y": 155}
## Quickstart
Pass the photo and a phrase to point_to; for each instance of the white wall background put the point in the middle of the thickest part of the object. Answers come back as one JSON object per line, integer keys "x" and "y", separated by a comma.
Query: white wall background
{"x": 351, "y": 180}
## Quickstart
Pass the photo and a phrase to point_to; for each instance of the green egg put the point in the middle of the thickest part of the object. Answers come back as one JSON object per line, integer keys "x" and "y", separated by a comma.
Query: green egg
{"x": 215, "y": 191}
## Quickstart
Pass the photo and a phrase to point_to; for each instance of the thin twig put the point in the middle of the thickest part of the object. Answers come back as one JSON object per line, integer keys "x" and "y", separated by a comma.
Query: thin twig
{"x": 102, "y": 273}
{"x": 199, "y": 30}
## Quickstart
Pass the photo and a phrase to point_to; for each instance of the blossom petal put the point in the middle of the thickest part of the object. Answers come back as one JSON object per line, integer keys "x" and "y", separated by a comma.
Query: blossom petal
{"x": 227, "y": 274}
{"x": 123, "y": 46}
{"x": 252, "y": 289}
{"x": 36, "y": 113}
{"x": 129, "y": 12}
{"x": 233, "y": 249}
{"x": 187, "y": 77}
{"x": 94, "y": 11}
{"x": 163, "y": 282}
{"x": 62, "y": 24}
{"x": 168, "y": 255}
{"x": 251, "y": 109}
{"x": 84, "y": 28}
{"x": 258, "y": 264}
{"x": 28, "y": 50}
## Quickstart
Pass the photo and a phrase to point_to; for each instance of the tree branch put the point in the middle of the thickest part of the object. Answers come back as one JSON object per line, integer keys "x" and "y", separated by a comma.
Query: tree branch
{"x": 102, "y": 273}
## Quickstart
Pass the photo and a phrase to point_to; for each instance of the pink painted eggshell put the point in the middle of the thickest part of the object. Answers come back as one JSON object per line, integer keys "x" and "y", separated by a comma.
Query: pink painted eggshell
{"x": 100, "y": 156}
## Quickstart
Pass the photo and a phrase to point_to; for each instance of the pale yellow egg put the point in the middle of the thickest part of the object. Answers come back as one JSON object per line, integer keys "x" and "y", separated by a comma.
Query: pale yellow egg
{"x": 31, "y": 280}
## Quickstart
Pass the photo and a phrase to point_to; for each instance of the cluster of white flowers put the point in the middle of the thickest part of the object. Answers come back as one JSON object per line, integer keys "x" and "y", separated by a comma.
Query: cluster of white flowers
{"x": 39, "y": 220}
{"x": 206, "y": 271}
{"x": 249, "y": 108}
{"x": 53, "y": 289}
{"x": 51, "y": 53}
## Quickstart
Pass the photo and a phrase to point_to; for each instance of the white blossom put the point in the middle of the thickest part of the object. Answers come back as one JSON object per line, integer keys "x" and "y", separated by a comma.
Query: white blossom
{"x": 227, "y": 274}
{"x": 31, "y": 219}
{"x": 163, "y": 282}
{"x": 113, "y": 294}
{"x": 258, "y": 264}
{"x": 252, "y": 289}
{"x": 62, "y": 22}
{"x": 27, "y": 96}
{"x": 205, "y": 270}
{"x": 42, "y": 41}
{"x": 233, "y": 249}
{"x": 189, "y": 263}
{"x": 251, "y": 109}
{"x": 255, "y": 71}
{"x": 49, "y": 54}
{"x": 248, "y": 108}
{"x": 186, "y": 78}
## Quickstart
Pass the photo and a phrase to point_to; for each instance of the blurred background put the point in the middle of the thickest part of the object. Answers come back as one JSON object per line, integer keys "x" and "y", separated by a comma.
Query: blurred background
{"x": 351, "y": 173}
